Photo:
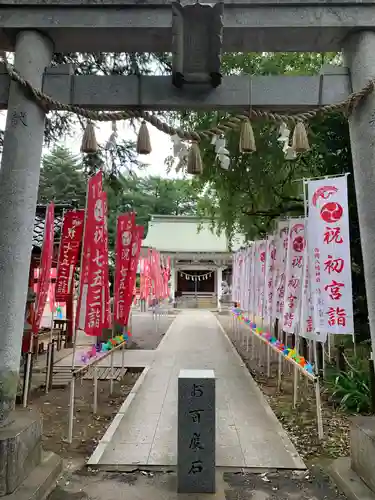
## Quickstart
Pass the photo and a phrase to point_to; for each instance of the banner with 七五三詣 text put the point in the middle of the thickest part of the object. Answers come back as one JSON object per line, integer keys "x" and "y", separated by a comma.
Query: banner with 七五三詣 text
{"x": 92, "y": 311}
{"x": 138, "y": 232}
{"x": 329, "y": 255}
{"x": 124, "y": 237}
{"x": 71, "y": 237}
{"x": 45, "y": 267}
{"x": 107, "y": 317}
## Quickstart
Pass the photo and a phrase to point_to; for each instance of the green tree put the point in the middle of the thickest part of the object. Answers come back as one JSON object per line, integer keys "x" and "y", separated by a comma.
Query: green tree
{"x": 260, "y": 186}
{"x": 150, "y": 195}
{"x": 62, "y": 178}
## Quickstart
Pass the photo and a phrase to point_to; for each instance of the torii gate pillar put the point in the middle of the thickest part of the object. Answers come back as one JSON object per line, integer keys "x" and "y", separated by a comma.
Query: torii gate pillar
{"x": 359, "y": 52}
{"x": 19, "y": 180}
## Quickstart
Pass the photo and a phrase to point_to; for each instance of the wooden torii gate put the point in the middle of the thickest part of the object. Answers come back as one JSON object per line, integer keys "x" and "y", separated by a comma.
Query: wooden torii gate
{"x": 196, "y": 34}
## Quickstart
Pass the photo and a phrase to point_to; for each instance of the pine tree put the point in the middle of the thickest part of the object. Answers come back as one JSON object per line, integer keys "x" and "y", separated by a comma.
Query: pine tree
{"x": 62, "y": 178}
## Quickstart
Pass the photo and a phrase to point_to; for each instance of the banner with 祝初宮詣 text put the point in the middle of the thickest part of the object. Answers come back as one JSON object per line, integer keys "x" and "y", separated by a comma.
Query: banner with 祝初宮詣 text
{"x": 71, "y": 238}
{"x": 281, "y": 247}
{"x": 260, "y": 268}
{"x": 124, "y": 237}
{"x": 270, "y": 275}
{"x": 294, "y": 275}
{"x": 329, "y": 255}
{"x": 45, "y": 267}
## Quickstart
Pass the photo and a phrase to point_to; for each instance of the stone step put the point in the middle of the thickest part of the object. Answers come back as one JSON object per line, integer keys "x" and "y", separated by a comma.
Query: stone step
{"x": 41, "y": 481}
{"x": 62, "y": 375}
{"x": 362, "y": 449}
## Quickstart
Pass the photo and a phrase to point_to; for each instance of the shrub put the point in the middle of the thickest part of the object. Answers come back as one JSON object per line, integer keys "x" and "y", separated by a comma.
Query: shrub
{"x": 351, "y": 390}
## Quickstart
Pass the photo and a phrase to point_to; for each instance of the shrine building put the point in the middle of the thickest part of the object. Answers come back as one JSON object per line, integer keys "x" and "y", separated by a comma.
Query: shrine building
{"x": 201, "y": 260}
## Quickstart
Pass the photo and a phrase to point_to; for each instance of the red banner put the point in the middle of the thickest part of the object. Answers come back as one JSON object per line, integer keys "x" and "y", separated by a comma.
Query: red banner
{"x": 45, "y": 267}
{"x": 124, "y": 236}
{"x": 134, "y": 259}
{"x": 91, "y": 312}
{"x": 107, "y": 323}
{"x": 156, "y": 274}
{"x": 71, "y": 238}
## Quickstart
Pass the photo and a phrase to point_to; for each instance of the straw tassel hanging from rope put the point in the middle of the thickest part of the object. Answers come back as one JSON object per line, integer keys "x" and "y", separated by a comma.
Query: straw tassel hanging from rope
{"x": 89, "y": 144}
{"x": 247, "y": 140}
{"x": 143, "y": 140}
{"x": 300, "y": 141}
{"x": 194, "y": 161}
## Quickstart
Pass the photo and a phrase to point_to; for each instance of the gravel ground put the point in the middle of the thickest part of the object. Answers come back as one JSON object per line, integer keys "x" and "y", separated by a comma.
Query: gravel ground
{"x": 299, "y": 423}
{"x": 148, "y": 332}
{"x": 84, "y": 484}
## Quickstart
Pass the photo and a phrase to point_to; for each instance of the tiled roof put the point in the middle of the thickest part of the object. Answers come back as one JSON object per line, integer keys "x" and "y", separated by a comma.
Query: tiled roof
{"x": 40, "y": 216}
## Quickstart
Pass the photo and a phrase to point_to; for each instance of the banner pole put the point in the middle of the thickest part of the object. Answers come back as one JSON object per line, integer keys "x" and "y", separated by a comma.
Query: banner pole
{"x": 319, "y": 410}
{"x": 112, "y": 360}
{"x": 49, "y": 353}
{"x": 75, "y": 326}
{"x": 28, "y": 370}
{"x": 95, "y": 405}
{"x": 71, "y": 408}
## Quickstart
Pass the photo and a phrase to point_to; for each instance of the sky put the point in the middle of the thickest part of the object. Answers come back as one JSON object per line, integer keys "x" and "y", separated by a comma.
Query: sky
{"x": 161, "y": 145}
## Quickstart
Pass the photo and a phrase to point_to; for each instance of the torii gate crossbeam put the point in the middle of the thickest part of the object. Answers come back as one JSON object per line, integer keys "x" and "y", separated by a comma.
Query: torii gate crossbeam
{"x": 258, "y": 26}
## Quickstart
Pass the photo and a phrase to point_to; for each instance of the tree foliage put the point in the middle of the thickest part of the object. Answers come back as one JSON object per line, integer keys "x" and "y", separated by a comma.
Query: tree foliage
{"x": 65, "y": 125}
{"x": 64, "y": 176}
{"x": 258, "y": 187}
{"x": 262, "y": 186}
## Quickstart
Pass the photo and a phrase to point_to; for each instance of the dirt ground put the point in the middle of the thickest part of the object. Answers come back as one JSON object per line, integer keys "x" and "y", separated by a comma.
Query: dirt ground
{"x": 300, "y": 423}
{"x": 89, "y": 428}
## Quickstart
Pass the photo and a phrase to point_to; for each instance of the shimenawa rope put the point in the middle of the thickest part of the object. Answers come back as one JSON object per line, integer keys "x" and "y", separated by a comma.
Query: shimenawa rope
{"x": 231, "y": 123}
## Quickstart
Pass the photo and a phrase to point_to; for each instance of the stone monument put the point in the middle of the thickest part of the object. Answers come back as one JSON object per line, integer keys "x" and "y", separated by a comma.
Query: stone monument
{"x": 196, "y": 432}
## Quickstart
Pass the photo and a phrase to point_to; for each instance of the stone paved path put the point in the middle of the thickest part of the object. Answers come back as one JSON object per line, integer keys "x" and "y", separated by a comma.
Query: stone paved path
{"x": 144, "y": 432}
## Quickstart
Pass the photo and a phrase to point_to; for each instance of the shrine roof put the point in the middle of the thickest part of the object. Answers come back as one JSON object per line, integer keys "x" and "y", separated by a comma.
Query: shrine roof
{"x": 184, "y": 234}
{"x": 40, "y": 214}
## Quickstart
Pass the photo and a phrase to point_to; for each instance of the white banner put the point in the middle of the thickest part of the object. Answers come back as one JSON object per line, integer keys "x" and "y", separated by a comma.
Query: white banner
{"x": 329, "y": 255}
{"x": 235, "y": 278}
{"x": 260, "y": 267}
{"x": 252, "y": 307}
{"x": 280, "y": 269}
{"x": 270, "y": 277}
{"x": 294, "y": 275}
{"x": 308, "y": 329}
